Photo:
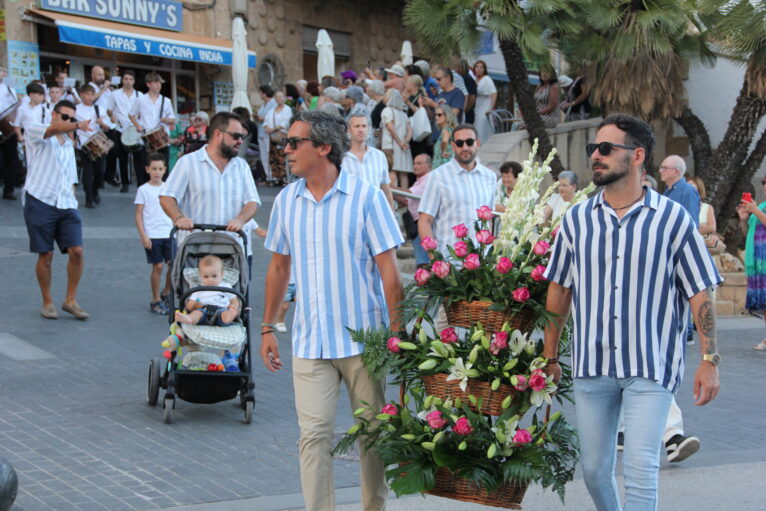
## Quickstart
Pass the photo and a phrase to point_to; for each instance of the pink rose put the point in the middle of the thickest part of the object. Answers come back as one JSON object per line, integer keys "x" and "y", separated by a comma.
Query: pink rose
{"x": 484, "y": 213}
{"x": 461, "y": 249}
{"x": 421, "y": 276}
{"x": 499, "y": 342}
{"x": 521, "y": 294}
{"x": 461, "y": 231}
{"x": 462, "y": 427}
{"x": 541, "y": 247}
{"x": 441, "y": 269}
{"x": 435, "y": 420}
{"x": 554, "y": 233}
{"x": 484, "y": 237}
{"x": 504, "y": 265}
{"x": 538, "y": 272}
{"x": 448, "y": 335}
{"x": 390, "y": 409}
{"x": 393, "y": 344}
{"x": 522, "y": 436}
{"x": 472, "y": 262}
{"x": 521, "y": 383}
{"x": 428, "y": 244}
{"x": 537, "y": 380}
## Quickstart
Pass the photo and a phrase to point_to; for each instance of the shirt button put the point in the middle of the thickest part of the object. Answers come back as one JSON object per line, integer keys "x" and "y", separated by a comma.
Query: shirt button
{"x": 615, "y": 317}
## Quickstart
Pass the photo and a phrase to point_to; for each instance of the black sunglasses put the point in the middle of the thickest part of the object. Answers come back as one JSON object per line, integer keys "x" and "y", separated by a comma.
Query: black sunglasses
{"x": 469, "y": 142}
{"x": 294, "y": 141}
{"x": 67, "y": 117}
{"x": 605, "y": 148}
{"x": 235, "y": 136}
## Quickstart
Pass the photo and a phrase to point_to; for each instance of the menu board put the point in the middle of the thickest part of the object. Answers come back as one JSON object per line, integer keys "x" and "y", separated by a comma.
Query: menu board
{"x": 23, "y": 64}
{"x": 223, "y": 93}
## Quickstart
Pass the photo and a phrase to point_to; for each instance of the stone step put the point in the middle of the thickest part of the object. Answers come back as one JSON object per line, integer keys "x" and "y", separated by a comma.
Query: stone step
{"x": 405, "y": 251}
{"x": 734, "y": 279}
{"x": 407, "y": 266}
{"x": 724, "y": 307}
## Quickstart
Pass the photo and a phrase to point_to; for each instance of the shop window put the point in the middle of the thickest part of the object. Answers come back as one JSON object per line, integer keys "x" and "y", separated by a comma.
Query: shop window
{"x": 186, "y": 98}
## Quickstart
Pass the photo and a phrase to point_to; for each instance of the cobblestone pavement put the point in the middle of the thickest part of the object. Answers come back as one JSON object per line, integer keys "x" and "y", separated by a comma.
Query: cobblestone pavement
{"x": 75, "y": 424}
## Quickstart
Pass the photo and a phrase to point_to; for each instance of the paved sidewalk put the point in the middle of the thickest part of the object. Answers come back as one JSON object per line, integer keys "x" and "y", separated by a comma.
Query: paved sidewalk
{"x": 74, "y": 422}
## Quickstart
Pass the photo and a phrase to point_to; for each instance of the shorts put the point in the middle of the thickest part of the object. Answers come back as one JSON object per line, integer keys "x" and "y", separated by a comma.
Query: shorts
{"x": 46, "y": 224}
{"x": 211, "y": 316}
{"x": 290, "y": 295}
{"x": 161, "y": 251}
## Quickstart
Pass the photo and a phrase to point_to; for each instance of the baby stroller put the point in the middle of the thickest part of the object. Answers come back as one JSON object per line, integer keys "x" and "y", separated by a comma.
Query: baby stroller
{"x": 187, "y": 373}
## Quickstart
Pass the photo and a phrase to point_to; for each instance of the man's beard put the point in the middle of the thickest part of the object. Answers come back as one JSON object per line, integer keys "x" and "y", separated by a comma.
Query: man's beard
{"x": 228, "y": 151}
{"x": 466, "y": 161}
{"x": 607, "y": 179}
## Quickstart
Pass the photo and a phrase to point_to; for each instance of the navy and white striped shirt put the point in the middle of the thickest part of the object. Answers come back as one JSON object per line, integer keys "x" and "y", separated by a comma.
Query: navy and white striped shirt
{"x": 332, "y": 244}
{"x": 631, "y": 281}
{"x": 452, "y": 197}
{"x": 373, "y": 167}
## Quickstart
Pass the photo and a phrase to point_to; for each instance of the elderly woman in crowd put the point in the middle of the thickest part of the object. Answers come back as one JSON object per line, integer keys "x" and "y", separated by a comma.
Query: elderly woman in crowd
{"x": 561, "y": 200}
{"x": 195, "y": 136}
{"x": 397, "y": 134}
{"x": 376, "y": 91}
{"x": 267, "y": 104}
{"x": 329, "y": 101}
{"x": 276, "y": 125}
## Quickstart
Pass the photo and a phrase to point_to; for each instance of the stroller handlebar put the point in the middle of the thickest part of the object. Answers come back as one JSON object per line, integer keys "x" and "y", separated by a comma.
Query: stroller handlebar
{"x": 210, "y": 227}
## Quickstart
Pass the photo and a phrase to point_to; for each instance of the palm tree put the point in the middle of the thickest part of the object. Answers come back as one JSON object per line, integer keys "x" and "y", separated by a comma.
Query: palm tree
{"x": 445, "y": 28}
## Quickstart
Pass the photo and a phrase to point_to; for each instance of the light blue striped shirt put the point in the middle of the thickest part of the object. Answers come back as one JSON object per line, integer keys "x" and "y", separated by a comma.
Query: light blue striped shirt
{"x": 52, "y": 169}
{"x": 452, "y": 197}
{"x": 631, "y": 282}
{"x": 373, "y": 168}
{"x": 207, "y": 195}
{"x": 332, "y": 244}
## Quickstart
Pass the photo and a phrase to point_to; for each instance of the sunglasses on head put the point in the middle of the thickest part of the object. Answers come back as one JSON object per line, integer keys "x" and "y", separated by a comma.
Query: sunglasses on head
{"x": 605, "y": 148}
{"x": 67, "y": 117}
{"x": 468, "y": 141}
{"x": 235, "y": 136}
{"x": 294, "y": 141}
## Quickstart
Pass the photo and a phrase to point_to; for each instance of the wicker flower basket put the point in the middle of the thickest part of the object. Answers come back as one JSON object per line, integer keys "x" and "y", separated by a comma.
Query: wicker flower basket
{"x": 450, "y": 486}
{"x": 491, "y": 400}
{"x": 467, "y": 314}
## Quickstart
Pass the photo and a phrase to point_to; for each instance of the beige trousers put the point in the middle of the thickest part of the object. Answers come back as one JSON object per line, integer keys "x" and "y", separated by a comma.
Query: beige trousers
{"x": 317, "y": 388}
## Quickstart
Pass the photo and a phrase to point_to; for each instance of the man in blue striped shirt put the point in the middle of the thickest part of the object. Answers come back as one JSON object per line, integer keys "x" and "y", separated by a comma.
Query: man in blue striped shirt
{"x": 630, "y": 263}
{"x": 337, "y": 234}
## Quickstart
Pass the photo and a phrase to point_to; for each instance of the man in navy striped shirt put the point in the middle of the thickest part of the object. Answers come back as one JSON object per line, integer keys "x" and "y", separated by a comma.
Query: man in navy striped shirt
{"x": 337, "y": 235}
{"x": 630, "y": 263}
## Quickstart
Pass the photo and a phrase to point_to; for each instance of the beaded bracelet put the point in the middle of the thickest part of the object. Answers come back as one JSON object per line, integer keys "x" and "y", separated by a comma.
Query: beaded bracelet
{"x": 268, "y": 332}
{"x": 269, "y": 325}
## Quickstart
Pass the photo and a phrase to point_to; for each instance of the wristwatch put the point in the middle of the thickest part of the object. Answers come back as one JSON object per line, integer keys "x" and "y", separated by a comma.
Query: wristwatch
{"x": 713, "y": 358}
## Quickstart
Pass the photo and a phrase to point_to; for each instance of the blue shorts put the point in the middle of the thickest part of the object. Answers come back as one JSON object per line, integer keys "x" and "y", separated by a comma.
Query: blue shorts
{"x": 160, "y": 251}
{"x": 46, "y": 224}
{"x": 290, "y": 295}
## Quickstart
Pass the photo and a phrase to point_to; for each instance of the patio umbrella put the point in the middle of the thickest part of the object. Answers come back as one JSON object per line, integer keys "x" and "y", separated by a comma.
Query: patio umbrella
{"x": 406, "y": 53}
{"x": 326, "y": 59}
{"x": 239, "y": 65}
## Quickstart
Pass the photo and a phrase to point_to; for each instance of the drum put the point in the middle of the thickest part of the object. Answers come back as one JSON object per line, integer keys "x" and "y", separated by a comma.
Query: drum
{"x": 130, "y": 139}
{"x": 97, "y": 146}
{"x": 156, "y": 139}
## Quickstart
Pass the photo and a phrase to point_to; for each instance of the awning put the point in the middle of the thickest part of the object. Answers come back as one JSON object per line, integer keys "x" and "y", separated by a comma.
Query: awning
{"x": 141, "y": 40}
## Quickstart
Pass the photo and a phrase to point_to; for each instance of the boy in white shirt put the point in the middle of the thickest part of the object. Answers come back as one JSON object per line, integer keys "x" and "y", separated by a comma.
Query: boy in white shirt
{"x": 154, "y": 228}
{"x": 92, "y": 171}
{"x": 150, "y": 111}
{"x": 30, "y": 112}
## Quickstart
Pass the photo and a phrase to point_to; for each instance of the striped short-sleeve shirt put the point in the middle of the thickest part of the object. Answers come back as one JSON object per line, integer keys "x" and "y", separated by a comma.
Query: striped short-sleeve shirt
{"x": 452, "y": 197}
{"x": 332, "y": 244}
{"x": 631, "y": 281}
{"x": 373, "y": 168}
{"x": 52, "y": 169}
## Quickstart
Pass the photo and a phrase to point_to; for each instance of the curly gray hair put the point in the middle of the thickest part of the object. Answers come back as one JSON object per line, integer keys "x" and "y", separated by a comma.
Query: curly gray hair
{"x": 327, "y": 129}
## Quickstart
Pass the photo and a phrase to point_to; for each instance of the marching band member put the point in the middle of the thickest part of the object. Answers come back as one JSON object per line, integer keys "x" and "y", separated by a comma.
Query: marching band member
{"x": 151, "y": 111}
{"x": 123, "y": 101}
{"x": 9, "y": 154}
{"x": 92, "y": 171}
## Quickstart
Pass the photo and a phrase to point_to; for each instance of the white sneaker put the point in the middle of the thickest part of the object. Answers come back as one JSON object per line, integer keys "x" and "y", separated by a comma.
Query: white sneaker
{"x": 281, "y": 327}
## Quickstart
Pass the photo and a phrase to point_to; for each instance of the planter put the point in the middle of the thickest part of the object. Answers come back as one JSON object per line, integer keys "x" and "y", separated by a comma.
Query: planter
{"x": 450, "y": 486}
{"x": 491, "y": 400}
{"x": 467, "y": 314}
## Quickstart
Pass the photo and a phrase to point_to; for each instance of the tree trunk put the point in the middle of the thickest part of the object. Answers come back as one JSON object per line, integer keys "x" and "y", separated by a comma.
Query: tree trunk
{"x": 698, "y": 137}
{"x": 742, "y": 180}
{"x": 518, "y": 75}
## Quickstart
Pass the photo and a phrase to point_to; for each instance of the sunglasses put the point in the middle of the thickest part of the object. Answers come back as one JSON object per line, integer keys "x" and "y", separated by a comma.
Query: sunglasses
{"x": 469, "y": 142}
{"x": 605, "y": 148}
{"x": 235, "y": 136}
{"x": 294, "y": 141}
{"x": 439, "y": 115}
{"x": 67, "y": 117}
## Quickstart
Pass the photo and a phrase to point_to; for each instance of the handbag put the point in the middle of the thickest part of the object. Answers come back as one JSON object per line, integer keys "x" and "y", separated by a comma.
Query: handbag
{"x": 276, "y": 137}
{"x": 421, "y": 126}
{"x": 410, "y": 225}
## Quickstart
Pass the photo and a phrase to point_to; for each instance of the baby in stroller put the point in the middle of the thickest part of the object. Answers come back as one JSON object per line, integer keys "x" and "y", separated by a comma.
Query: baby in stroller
{"x": 214, "y": 308}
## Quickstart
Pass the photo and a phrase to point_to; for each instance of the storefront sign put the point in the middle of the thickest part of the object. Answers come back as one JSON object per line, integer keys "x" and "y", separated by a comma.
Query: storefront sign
{"x": 146, "y": 45}
{"x": 23, "y": 64}
{"x": 162, "y": 14}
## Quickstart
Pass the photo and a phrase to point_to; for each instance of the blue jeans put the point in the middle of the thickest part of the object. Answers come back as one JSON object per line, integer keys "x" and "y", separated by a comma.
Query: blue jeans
{"x": 645, "y": 407}
{"x": 421, "y": 256}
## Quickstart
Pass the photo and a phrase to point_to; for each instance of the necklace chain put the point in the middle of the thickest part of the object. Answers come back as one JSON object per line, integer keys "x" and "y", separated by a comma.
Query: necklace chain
{"x": 629, "y": 205}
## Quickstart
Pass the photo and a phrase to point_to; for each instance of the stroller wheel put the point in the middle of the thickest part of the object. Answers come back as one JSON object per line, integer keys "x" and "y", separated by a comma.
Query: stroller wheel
{"x": 249, "y": 411}
{"x": 167, "y": 409}
{"x": 153, "y": 385}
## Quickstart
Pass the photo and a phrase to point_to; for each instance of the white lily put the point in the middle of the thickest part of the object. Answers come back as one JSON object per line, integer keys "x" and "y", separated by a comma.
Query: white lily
{"x": 517, "y": 342}
{"x": 459, "y": 371}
